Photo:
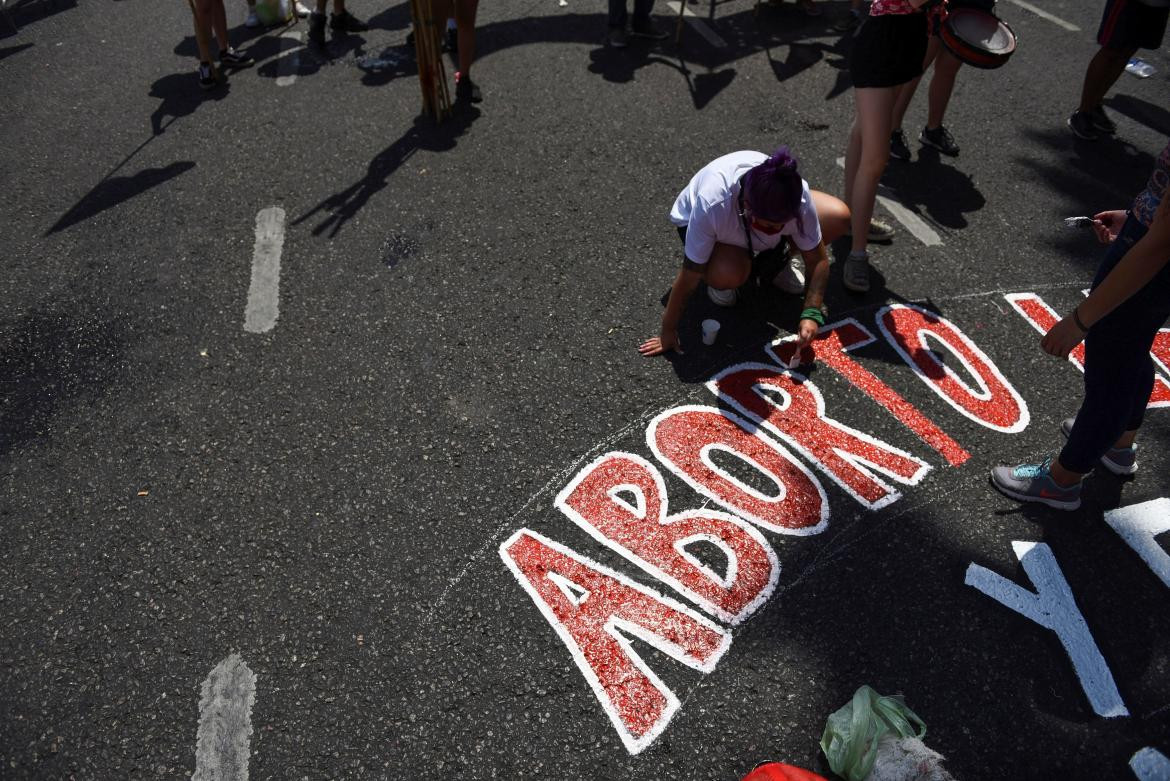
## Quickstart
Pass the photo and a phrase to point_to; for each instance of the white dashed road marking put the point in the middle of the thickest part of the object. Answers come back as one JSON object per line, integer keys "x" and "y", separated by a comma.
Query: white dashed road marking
{"x": 289, "y": 64}
{"x": 1072, "y": 28}
{"x": 702, "y": 29}
{"x": 223, "y": 742}
{"x": 910, "y": 221}
{"x": 264, "y": 291}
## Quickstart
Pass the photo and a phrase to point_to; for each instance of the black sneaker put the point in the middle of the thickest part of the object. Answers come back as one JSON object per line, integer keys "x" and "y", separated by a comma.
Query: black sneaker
{"x": 647, "y": 29}
{"x": 207, "y": 78}
{"x": 1101, "y": 121}
{"x": 466, "y": 90}
{"x": 898, "y": 148}
{"x": 1081, "y": 124}
{"x": 233, "y": 59}
{"x": 941, "y": 139}
{"x": 616, "y": 38}
{"x": 317, "y": 30}
{"x": 345, "y": 22}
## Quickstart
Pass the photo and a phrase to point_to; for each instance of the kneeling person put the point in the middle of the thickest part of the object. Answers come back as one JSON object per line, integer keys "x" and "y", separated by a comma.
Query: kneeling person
{"x": 737, "y": 206}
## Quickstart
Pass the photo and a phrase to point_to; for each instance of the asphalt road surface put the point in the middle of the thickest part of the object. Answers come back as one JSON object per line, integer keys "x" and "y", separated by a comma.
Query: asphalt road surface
{"x": 326, "y": 450}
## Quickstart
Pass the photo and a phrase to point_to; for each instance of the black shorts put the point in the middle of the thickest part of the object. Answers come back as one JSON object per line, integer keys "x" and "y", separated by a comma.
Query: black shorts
{"x": 1128, "y": 24}
{"x": 889, "y": 50}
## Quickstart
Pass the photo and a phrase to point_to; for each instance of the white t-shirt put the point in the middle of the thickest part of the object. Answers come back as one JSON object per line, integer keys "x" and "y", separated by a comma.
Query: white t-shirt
{"x": 709, "y": 209}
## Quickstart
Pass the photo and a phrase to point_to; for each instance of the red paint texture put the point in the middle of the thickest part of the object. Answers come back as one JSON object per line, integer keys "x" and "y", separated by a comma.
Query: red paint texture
{"x": 645, "y": 533}
{"x": 832, "y": 348}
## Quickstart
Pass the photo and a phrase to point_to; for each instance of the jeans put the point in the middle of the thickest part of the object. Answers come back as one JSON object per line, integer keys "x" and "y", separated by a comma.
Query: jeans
{"x": 1119, "y": 373}
{"x": 618, "y": 14}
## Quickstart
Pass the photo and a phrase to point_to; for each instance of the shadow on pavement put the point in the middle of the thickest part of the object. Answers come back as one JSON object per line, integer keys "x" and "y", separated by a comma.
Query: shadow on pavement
{"x": 339, "y": 208}
{"x": 115, "y": 190}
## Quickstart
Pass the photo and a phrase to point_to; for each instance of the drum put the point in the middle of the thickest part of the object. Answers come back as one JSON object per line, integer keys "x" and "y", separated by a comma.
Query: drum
{"x": 978, "y": 37}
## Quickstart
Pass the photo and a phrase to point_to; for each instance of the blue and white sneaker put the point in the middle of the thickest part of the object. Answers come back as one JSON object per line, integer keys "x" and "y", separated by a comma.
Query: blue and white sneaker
{"x": 1034, "y": 483}
{"x": 1120, "y": 461}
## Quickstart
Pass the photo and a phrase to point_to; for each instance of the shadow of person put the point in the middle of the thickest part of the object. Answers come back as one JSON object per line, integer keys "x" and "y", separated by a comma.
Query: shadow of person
{"x": 1154, "y": 117}
{"x": 114, "y": 190}
{"x": 619, "y": 65}
{"x": 11, "y": 50}
{"x": 945, "y": 193}
{"x": 23, "y": 13}
{"x": 339, "y": 208}
{"x": 181, "y": 95}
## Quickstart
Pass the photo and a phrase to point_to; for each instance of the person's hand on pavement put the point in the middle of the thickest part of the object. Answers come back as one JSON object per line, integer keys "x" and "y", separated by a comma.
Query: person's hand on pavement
{"x": 667, "y": 340}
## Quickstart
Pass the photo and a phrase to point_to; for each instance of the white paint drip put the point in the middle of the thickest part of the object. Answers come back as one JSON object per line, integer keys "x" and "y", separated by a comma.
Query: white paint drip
{"x": 1053, "y": 607}
{"x": 1150, "y": 765}
{"x": 225, "y": 722}
{"x": 1138, "y": 525}
{"x": 910, "y": 221}
{"x": 702, "y": 29}
{"x": 264, "y": 291}
{"x": 1072, "y": 28}
{"x": 289, "y": 65}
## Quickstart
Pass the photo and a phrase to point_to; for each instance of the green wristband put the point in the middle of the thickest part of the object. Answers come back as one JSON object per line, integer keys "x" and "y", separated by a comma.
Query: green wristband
{"x": 814, "y": 314}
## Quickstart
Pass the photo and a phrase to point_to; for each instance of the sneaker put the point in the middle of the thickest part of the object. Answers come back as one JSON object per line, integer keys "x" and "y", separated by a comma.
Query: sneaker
{"x": 847, "y": 22}
{"x": 1034, "y": 483}
{"x": 345, "y": 22}
{"x": 855, "y": 274}
{"x": 1081, "y": 124}
{"x": 302, "y": 11}
{"x": 722, "y": 297}
{"x": 941, "y": 139}
{"x": 233, "y": 59}
{"x": 647, "y": 29}
{"x": 898, "y": 148}
{"x": 617, "y": 38}
{"x": 789, "y": 279}
{"x": 207, "y": 78}
{"x": 1120, "y": 461}
{"x": 466, "y": 90}
{"x": 1101, "y": 121}
{"x": 317, "y": 30}
{"x": 252, "y": 21}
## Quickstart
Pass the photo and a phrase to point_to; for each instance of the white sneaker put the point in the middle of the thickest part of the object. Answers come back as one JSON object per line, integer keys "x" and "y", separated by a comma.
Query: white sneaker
{"x": 790, "y": 279}
{"x": 722, "y": 297}
{"x": 302, "y": 11}
{"x": 252, "y": 20}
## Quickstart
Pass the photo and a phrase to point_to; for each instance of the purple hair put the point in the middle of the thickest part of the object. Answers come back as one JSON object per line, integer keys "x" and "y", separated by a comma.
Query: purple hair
{"x": 774, "y": 188}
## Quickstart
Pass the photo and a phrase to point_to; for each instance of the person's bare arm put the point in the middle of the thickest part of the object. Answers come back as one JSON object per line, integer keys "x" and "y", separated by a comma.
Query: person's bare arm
{"x": 684, "y": 286}
{"x": 816, "y": 266}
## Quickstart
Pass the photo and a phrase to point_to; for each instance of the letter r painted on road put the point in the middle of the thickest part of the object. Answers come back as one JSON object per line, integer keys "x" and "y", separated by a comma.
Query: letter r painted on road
{"x": 847, "y": 456}
{"x": 639, "y": 529}
{"x": 1052, "y": 607}
{"x": 683, "y": 440}
{"x": 992, "y": 402}
{"x": 593, "y": 609}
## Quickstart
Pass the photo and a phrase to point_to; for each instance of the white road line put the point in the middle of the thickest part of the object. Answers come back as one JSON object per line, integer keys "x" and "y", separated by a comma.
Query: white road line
{"x": 289, "y": 64}
{"x": 1072, "y": 28}
{"x": 264, "y": 291}
{"x": 702, "y": 29}
{"x": 225, "y": 722}
{"x": 911, "y": 221}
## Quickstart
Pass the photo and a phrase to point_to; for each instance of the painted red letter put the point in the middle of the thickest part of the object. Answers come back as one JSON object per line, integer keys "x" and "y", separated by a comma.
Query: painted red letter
{"x": 683, "y": 439}
{"x": 638, "y": 528}
{"x": 590, "y": 608}
{"x": 993, "y": 403}
{"x": 846, "y": 455}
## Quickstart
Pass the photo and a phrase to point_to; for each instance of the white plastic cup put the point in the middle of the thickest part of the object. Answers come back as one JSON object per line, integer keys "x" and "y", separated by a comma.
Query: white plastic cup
{"x": 710, "y": 331}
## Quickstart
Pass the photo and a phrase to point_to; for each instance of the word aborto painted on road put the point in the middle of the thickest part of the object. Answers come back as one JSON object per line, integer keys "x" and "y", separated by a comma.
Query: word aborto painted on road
{"x": 775, "y": 424}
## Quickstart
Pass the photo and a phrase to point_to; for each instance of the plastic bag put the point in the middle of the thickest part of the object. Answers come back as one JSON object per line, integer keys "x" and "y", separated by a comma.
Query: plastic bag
{"x": 852, "y": 733}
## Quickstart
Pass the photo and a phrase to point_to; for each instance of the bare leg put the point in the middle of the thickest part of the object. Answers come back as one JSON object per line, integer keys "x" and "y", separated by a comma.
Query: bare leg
{"x": 728, "y": 267}
{"x": 942, "y": 84}
{"x": 906, "y": 92}
{"x": 833, "y": 215}
{"x": 219, "y": 23}
{"x": 465, "y": 23}
{"x": 871, "y": 123}
{"x": 1104, "y": 69}
{"x": 203, "y": 15}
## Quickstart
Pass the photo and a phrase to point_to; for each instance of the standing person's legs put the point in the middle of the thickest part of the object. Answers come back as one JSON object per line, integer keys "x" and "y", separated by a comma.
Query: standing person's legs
{"x": 907, "y": 90}
{"x": 465, "y": 11}
{"x": 942, "y": 84}
{"x": 1103, "y": 71}
{"x": 219, "y": 24}
{"x": 868, "y": 153}
{"x": 618, "y": 15}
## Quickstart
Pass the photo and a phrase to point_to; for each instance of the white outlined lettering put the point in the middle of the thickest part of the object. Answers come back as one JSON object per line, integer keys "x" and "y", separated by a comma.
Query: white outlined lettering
{"x": 1138, "y": 525}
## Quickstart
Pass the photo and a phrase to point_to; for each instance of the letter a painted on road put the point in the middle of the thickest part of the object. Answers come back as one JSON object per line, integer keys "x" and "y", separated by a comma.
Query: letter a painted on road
{"x": 620, "y": 499}
{"x": 684, "y": 438}
{"x": 594, "y": 610}
{"x": 991, "y": 401}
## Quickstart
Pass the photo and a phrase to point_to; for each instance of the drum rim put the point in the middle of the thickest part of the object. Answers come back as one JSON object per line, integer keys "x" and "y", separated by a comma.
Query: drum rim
{"x": 968, "y": 11}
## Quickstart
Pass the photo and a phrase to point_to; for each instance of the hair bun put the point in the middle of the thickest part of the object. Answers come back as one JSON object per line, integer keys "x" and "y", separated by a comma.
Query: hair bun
{"x": 782, "y": 161}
